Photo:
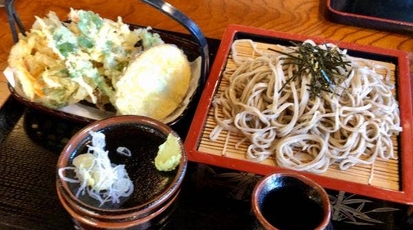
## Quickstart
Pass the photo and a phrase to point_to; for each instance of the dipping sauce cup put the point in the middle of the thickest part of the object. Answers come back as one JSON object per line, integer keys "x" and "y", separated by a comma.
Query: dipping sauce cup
{"x": 155, "y": 193}
{"x": 291, "y": 201}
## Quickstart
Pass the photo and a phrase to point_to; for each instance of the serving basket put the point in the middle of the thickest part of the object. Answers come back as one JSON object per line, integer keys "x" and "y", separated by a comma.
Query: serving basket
{"x": 194, "y": 46}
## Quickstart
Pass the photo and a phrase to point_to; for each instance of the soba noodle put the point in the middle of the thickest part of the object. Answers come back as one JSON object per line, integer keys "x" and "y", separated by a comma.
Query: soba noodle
{"x": 353, "y": 125}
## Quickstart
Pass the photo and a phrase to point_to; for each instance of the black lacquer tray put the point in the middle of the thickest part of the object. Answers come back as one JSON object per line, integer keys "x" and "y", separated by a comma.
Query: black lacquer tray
{"x": 211, "y": 198}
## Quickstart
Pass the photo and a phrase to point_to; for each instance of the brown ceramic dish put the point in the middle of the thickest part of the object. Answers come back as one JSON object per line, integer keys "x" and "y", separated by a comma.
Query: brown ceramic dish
{"x": 155, "y": 193}
{"x": 290, "y": 201}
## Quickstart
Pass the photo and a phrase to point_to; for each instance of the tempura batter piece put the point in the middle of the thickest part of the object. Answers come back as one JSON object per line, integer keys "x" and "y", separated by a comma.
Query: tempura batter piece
{"x": 155, "y": 83}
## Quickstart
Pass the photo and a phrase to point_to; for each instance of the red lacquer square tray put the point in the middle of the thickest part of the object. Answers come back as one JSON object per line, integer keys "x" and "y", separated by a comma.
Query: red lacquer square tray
{"x": 392, "y": 180}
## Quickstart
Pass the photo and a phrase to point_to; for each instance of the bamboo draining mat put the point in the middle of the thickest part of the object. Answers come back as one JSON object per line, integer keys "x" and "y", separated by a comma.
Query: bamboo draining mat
{"x": 382, "y": 173}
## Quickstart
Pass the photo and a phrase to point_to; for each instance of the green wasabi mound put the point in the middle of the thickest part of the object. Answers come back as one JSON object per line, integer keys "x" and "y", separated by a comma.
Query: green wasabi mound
{"x": 169, "y": 154}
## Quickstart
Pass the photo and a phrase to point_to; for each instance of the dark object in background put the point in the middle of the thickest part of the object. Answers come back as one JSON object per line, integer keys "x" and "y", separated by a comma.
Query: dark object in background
{"x": 390, "y": 15}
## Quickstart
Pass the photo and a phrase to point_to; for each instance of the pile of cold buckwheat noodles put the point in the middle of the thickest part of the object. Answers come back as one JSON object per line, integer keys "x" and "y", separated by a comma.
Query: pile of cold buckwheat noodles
{"x": 279, "y": 118}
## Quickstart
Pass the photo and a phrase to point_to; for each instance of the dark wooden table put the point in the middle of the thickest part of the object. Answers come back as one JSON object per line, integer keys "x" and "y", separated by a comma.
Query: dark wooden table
{"x": 212, "y": 198}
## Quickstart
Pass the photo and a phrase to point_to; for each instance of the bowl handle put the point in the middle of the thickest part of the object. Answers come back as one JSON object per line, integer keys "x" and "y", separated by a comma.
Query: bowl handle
{"x": 14, "y": 19}
{"x": 186, "y": 22}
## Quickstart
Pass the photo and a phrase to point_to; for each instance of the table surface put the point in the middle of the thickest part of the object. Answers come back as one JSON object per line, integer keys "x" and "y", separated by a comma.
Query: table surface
{"x": 212, "y": 198}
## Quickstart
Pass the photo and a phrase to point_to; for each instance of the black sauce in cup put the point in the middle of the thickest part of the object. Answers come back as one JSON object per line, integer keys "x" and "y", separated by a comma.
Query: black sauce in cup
{"x": 290, "y": 201}
{"x": 290, "y": 209}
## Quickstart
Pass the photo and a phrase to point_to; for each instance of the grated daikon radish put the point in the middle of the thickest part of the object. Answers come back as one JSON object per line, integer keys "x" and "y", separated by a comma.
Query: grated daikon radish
{"x": 97, "y": 176}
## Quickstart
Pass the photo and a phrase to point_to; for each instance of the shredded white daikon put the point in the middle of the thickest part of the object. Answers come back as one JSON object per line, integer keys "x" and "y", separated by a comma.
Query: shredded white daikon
{"x": 97, "y": 176}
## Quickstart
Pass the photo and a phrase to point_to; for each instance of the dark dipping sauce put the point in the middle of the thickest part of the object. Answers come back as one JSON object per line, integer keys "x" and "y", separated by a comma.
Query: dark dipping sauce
{"x": 290, "y": 208}
{"x": 143, "y": 144}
